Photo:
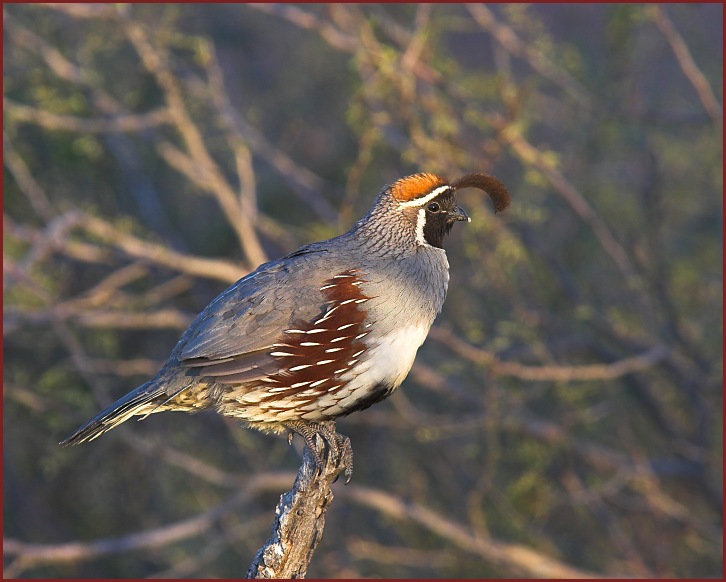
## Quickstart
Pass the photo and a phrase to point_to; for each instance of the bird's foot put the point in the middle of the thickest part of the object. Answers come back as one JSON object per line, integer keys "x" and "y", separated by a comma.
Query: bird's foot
{"x": 335, "y": 443}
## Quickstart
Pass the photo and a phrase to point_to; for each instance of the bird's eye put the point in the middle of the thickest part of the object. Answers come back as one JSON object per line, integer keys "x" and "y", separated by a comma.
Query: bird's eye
{"x": 433, "y": 207}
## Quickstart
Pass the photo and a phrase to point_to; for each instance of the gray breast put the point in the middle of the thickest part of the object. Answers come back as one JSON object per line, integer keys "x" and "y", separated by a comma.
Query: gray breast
{"x": 406, "y": 291}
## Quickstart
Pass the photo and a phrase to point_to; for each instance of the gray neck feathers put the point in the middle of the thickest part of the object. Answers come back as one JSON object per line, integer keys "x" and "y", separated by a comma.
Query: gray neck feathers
{"x": 385, "y": 230}
{"x": 423, "y": 271}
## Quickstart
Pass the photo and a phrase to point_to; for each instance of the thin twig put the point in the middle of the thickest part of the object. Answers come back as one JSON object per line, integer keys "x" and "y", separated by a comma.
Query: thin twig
{"x": 429, "y": 559}
{"x": 131, "y": 246}
{"x": 35, "y": 554}
{"x": 156, "y": 63}
{"x": 550, "y": 373}
{"x": 55, "y": 122}
{"x": 113, "y": 319}
{"x": 508, "y": 39}
{"x": 26, "y": 182}
{"x": 309, "y": 21}
{"x": 160, "y": 254}
{"x": 80, "y": 10}
{"x": 304, "y": 183}
{"x": 688, "y": 65}
{"x": 515, "y": 557}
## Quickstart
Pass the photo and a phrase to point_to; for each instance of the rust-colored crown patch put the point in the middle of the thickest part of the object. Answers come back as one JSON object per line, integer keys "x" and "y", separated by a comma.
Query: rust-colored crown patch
{"x": 415, "y": 186}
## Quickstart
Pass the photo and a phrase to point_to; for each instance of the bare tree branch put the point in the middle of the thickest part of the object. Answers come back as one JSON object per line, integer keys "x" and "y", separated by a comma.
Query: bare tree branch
{"x": 54, "y": 59}
{"x": 307, "y": 185}
{"x": 399, "y": 555}
{"x": 80, "y": 10}
{"x": 511, "y": 556}
{"x": 55, "y": 122}
{"x": 299, "y": 520}
{"x": 532, "y": 157}
{"x": 155, "y": 63}
{"x": 160, "y": 254}
{"x": 29, "y": 555}
{"x": 25, "y": 180}
{"x": 688, "y": 64}
{"x": 507, "y": 38}
{"x": 160, "y": 319}
{"x": 145, "y": 251}
{"x": 308, "y": 21}
{"x": 120, "y": 368}
{"x": 550, "y": 373}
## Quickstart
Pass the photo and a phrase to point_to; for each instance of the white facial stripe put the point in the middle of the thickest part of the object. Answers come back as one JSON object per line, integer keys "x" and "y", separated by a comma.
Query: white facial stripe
{"x": 420, "y": 222}
{"x": 425, "y": 199}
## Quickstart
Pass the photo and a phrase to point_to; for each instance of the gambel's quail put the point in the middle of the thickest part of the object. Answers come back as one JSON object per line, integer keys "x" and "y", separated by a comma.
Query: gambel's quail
{"x": 327, "y": 330}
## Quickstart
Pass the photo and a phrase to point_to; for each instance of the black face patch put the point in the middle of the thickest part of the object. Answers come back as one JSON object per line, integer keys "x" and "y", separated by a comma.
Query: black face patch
{"x": 438, "y": 220}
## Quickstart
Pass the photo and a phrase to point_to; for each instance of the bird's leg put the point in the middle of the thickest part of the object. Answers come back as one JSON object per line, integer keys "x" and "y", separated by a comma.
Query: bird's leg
{"x": 346, "y": 456}
{"x": 335, "y": 443}
{"x": 306, "y": 430}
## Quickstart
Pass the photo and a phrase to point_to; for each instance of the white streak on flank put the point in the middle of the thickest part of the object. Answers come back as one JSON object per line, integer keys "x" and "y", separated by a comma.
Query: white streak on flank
{"x": 424, "y": 199}
{"x": 281, "y": 354}
{"x": 318, "y": 383}
{"x": 346, "y": 326}
{"x": 328, "y": 313}
{"x": 342, "y": 276}
{"x": 300, "y": 367}
{"x": 294, "y": 331}
{"x": 355, "y": 355}
{"x": 307, "y": 344}
{"x": 340, "y": 339}
{"x": 360, "y": 335}
{"x": 340, "y": 371}
{"x": 331, "y": 350}
{"x": 347, "y": 301}
{"x": 361, "y": 300}
{"x": 324, "y": 287}
{"x": 323, "y": 362}
{"x": 300, "y": 384}
{"x": 317, "y": 330}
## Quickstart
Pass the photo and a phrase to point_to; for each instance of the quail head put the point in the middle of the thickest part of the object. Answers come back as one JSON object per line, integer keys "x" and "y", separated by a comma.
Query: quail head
{"x": 327, "y": 330}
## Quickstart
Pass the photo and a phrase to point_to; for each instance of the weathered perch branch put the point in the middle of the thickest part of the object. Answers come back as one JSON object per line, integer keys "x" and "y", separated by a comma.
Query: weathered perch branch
{"x": 299, "y": 519}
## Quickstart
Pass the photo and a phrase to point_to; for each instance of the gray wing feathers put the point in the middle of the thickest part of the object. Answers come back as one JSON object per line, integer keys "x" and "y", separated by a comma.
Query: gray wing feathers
{"x": 236, "y": 326}
{"x": 227, "y": 326}
{"x": 231, "y": 339}
{"x": 236, "y": 370}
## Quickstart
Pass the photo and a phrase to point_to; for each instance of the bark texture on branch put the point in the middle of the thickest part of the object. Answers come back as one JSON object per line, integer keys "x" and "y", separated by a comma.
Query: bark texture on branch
{"x": 299, "y": 519}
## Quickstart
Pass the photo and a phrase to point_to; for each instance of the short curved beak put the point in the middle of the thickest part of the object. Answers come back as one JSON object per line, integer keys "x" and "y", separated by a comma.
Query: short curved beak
{"x": 458, "y": 214}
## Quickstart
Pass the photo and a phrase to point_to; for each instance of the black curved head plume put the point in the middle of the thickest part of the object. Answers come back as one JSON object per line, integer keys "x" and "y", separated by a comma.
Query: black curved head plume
{"x": 489, "y": 184}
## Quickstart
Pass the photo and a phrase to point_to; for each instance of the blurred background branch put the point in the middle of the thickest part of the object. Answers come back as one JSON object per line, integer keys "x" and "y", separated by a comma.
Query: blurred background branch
{"x": 564, "y": 417}
{"x": 688, "y": 65}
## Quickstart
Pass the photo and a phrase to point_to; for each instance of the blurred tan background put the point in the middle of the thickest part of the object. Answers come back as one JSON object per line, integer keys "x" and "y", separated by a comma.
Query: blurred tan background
{"x": 564, "y": 416}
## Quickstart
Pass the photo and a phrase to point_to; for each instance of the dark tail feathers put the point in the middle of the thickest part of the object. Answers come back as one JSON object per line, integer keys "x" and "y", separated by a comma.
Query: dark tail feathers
{"x": 137, "y": 401}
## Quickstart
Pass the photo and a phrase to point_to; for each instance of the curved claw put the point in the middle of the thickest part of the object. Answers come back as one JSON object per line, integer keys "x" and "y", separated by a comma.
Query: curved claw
{"x": 347, "y": 458}
{"x": 335, "y": 443}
